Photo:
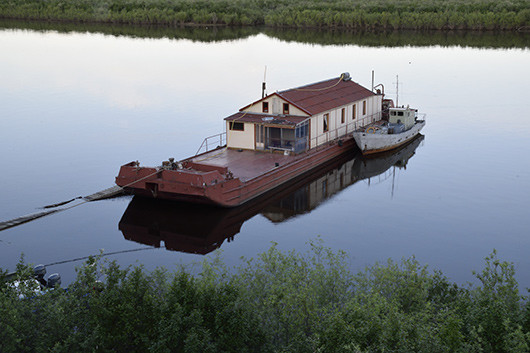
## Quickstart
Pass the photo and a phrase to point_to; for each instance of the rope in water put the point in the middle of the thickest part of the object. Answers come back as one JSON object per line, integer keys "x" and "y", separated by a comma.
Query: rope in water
{"x": 103, "y": 254}
{"x": 53, "y": 208}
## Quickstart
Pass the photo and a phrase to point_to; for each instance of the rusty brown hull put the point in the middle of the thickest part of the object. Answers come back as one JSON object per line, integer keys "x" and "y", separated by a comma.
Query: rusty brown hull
{"x": 228, "y": 185}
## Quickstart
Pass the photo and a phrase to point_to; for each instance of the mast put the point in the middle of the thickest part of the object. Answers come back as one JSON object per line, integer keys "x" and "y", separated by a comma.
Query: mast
{"x": 397, "y": 90}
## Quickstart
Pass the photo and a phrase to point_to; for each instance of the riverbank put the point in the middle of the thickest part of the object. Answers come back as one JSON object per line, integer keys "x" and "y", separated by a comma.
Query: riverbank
{"x": 278, "y": 302}
{"x": 373, "y": 15}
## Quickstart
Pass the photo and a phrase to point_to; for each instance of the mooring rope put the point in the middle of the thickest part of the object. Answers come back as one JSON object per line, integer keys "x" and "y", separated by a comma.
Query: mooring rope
{"x": 62, "y": 203}
{"x": 103, "y": 254}
{"x": 113, "y": 191}
{"x": 319, "y": 89}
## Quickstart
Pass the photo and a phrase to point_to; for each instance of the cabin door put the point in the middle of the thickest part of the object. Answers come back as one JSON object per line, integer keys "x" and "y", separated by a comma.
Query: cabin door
{"x": 260, "y": 137}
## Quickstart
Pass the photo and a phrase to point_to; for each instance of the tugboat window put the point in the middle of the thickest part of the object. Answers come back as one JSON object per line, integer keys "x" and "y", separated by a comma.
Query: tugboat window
{"x": 364, "y": 107}
{"x": 286, "y": 108}
{"x": 354, "y": 112}
{"x": 342, "y": 115}
{"x": 265, "y": 107}
{"x": 237, "y": 126}
{"x": 326, "y": 122}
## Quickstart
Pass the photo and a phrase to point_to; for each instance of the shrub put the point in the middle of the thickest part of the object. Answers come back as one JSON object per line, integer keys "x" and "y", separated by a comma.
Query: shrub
{"x": 278, "y": 302}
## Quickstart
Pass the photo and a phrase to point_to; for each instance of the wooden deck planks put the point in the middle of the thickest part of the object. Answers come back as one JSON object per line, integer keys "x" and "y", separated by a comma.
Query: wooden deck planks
{"x": 244, "y": 164}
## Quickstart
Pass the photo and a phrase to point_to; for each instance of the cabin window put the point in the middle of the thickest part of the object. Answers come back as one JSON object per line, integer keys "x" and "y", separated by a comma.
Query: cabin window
{"x": 326, "y": 122}
{"x": 342, "y": 115}
{"x": 400, "y": 113}
{"x": 259, "y": 133}
{"x": 237, "y": 126}
{"x": 354, "y": 112}
{"x": 265, "y": 106}
{"x": 286, "y": 108}
{"x": 301, "y": 135}
{"x": 364, "y": 107}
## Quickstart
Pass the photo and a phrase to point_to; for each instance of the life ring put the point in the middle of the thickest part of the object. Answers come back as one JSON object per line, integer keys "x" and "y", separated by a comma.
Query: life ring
{"x": 372, "y": 129}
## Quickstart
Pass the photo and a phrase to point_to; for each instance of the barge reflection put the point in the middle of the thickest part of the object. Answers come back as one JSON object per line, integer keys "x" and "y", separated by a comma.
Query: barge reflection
{"x": 201, "y": 229}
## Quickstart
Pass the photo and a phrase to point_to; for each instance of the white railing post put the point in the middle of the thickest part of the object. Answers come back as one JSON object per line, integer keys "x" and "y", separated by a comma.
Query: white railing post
{"x": 205, "y": 142}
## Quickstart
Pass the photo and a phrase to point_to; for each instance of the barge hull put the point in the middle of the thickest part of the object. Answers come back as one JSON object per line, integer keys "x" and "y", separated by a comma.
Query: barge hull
{"x": 213, "y": 187}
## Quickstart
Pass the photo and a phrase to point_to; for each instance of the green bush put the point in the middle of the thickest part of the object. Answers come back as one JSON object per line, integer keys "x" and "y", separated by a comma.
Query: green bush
{"x": 278, "y": 302}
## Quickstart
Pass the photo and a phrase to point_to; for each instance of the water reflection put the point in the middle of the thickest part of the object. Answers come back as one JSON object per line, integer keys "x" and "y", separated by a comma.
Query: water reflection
{"x": 201, "y": 229}
{"x": 474, "y": 39}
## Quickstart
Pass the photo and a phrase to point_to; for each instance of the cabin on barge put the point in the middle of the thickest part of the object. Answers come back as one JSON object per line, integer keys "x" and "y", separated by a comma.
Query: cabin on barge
{"x": 268, "y": 142}
{"x": 302, "y": 118}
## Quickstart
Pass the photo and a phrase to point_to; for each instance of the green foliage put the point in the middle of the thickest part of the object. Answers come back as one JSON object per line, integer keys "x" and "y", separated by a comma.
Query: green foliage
{"x": 366, "y": 15}
{"x": 292, "y": 294}
{"x": 278, "y": 302}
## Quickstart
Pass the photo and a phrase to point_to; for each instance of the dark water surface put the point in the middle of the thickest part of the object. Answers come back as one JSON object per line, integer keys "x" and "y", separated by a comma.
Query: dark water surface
{"x": 75, "y": 106}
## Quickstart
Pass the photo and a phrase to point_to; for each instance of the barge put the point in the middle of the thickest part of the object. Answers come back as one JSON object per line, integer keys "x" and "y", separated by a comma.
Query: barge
{"x": 273, "y": 140}
{"x": 200, "y": 229}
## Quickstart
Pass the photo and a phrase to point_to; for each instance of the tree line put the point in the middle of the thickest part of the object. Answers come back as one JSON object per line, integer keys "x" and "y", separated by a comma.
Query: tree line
{"x": 349, "y": 14}
{"x": 278, "y": 302}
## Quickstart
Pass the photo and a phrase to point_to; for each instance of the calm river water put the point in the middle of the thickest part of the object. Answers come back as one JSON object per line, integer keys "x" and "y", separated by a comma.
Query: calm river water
{"x": 75, "y": 106}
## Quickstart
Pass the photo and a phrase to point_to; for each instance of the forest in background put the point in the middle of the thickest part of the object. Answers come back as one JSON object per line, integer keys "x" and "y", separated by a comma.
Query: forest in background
{"x": 373, "y": 15}
{"x": 278, "y": 302}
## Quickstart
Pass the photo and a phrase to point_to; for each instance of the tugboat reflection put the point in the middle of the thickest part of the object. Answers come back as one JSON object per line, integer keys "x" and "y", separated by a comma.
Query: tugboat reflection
{"x": 201, "y": 229}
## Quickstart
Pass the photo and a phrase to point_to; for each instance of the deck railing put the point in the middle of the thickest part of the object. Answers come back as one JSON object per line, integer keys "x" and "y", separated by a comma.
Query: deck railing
{"x": 212, "y": 142}
{"x": 343, "y": 130}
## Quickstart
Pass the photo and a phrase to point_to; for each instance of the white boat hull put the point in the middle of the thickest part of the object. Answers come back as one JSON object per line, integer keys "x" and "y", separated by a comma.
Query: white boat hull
{"x": 374, "y": 143}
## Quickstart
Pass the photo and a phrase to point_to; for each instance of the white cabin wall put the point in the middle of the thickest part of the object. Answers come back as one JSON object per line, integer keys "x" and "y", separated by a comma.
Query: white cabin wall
{"x": 275, "y": 107}
{"x": 245, "y": 139}
{"x": 336, "y": 127}
{"x": 240, "y": 139}
{"x": 258, "y": 107}
{"x": 373, "y": 110}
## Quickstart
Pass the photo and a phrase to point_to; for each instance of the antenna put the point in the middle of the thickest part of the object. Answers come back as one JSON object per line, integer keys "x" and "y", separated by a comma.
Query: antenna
{"x": 397, "y": 90}
{"x": 264, "y": 84}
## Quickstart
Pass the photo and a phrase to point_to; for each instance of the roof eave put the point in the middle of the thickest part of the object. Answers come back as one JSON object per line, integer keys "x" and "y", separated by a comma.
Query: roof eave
{"x": 280, "y": 96}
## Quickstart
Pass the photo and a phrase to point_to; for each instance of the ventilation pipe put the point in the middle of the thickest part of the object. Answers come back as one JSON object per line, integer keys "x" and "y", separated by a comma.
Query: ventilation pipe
{"x": 264, "y": 84}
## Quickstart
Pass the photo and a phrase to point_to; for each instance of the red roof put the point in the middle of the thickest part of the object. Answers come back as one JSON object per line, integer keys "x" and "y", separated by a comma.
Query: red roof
{"x": 326, "y": 95}
{"x": 313, "y": 99}
{"x": 268, "y": 119}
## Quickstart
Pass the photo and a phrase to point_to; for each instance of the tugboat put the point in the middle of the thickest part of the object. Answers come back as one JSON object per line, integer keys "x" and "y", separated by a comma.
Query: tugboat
{"x": 273, "y": 140}
{"x": 403, "y": 124}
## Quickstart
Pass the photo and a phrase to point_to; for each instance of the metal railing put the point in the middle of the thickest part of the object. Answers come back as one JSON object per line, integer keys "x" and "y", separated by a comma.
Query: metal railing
{"x": 343, "y": 130}
{"x": 209, "y": 142}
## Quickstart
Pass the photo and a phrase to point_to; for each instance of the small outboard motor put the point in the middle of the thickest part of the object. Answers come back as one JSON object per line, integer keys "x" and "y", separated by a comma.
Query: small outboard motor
{"x": 54, "y": 280}
{"x": 38, "y": 272}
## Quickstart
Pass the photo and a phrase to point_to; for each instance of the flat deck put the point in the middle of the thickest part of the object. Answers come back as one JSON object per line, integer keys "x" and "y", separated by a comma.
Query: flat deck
{"x": 244, "y": 165}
